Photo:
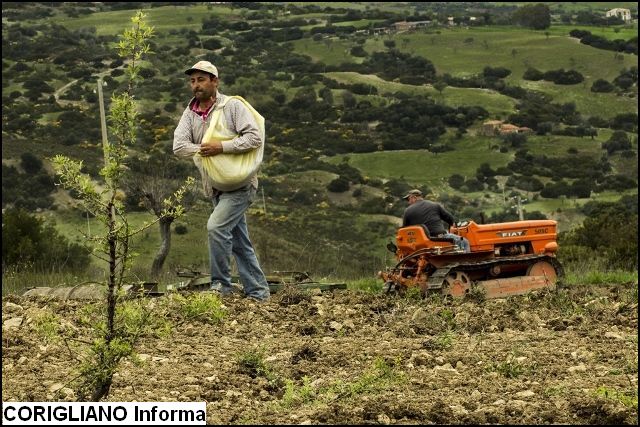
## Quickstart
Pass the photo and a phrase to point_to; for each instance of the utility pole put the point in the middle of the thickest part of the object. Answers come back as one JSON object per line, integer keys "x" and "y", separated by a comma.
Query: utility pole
{"x": 105, "y": 139}
{"x": 520, "y": 212}
{"x": 103, "y": 122}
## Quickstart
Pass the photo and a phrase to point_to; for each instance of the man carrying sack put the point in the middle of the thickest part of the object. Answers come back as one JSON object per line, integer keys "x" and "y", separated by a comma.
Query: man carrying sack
{"x": 225, "y": 137}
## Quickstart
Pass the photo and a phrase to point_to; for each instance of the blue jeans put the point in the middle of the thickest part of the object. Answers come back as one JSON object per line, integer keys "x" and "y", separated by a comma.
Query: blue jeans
{"x": 228, "y": 234}
{"x": 460, "y": 241}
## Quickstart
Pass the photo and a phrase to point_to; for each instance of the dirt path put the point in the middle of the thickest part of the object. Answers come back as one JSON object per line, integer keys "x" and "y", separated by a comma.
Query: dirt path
{"x": 60, "y": 91}
{"x": 64, "y": 88}
{"x": 350, "y": 357}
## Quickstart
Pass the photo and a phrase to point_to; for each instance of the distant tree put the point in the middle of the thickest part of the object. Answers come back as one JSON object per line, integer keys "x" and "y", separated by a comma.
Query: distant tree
{"x": 563, "y": 77}
{"x": 338, "y": 185}
{"x": 30, "y": 163}
{"x": 581, "y": 188}
{"x": 393, "y": 64}
{"x": 154, "y": 179}
{"x": 21, "y": 67}
{"x": 515, "y": 139}
{"x": 602, "y": 85}
{"x": 439, "y": 86}
{"x": 533, "y": 74}
{"x": 544, "y": 128}
{"x": 304, "y": 99}
{"x": 484, "y": 170}
{"x": 617, "y": 182}
{"x": 600, "y": 232}
{"x": 554, "y": 190}
{"x": 116, "y": 63}
{"x": 91, "y": 97}
{"x": 326, "y": 95}
{"x": 537, "y": 16}
{"x": 26, "y": 190}
{"x": 358, "y": 51}
{"x": 627, "y": 78}
{"x": 527, "y": 183}
{"x": 472, "y": 184}
{"x": 280, "y": 97}
{"x": 212, "y": 44}
{"x": 37, "y": 86}
{"x": 348, "y": 100}
{"x": 456, "y": 181}
{"x": 625, "y": 121}
{"x": 29, "y": 242}
{"x": 147, "y": 73}
{"x": 623, "y": 82}
{"x": 619, "y": 141}
{"x": 497, "y": 72}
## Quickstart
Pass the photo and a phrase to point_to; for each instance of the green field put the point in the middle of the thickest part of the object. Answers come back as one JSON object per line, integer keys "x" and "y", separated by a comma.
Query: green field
{"x": 161, "y": 18}
{"x": 465, "y": 52}
{"x": 424, "y": 167}
{"x": 362, "y": 23}
{"x": 166, "y": 18}
{"x": 388, "y": 6}
{"x": 497, "y": 104}
{"x": 574, "y": 6}
{"x": 557, "y": 145}
{"x": 624, "y": 32}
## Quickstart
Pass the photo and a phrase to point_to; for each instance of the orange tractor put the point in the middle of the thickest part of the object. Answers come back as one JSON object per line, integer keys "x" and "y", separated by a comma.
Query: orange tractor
{"x": 510, "y": 258}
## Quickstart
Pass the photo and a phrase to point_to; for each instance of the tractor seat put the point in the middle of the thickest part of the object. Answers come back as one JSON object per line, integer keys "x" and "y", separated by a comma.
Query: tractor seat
{"x": 438, "y": 239}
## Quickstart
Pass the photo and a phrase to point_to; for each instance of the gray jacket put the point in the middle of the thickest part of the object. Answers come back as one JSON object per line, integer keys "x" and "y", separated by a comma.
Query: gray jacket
{"x": 430, "y": 214}
{"x": 191, "y": 129}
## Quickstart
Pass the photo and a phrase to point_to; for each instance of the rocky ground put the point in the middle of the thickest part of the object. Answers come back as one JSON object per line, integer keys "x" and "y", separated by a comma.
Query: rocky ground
{"x": 564, "y": 357}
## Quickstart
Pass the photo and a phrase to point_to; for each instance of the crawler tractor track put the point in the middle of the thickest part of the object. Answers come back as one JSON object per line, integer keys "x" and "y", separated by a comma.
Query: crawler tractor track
{"x": 436, "y": 279}
{"x": 542, "y": 271}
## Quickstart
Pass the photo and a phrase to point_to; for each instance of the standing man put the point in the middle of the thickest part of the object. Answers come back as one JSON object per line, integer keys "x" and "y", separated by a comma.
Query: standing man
{"x": 432, "y": 215}
{"x": 227, "y": 227}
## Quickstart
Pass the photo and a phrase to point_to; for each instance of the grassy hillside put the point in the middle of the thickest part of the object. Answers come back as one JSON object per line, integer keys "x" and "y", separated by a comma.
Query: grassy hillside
{"x": 467, "y": 51}
{"x": 425, "y": 167}
{"x": 422, "y": 166}
{"x": 163, "y": 19}
{"x": 624, "y": 32}
{"x": 497, "y": 104}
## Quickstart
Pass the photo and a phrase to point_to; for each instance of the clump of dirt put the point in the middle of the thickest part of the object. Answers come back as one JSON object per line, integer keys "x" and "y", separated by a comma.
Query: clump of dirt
{"x": 564, "y": 357}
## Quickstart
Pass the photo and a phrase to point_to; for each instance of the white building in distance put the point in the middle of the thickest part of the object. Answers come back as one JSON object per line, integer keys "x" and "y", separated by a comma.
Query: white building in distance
{"x": 624, "y": 14}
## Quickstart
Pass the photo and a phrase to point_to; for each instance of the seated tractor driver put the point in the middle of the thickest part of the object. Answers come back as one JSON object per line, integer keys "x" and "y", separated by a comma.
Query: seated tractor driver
{"x": 431, "y": 215}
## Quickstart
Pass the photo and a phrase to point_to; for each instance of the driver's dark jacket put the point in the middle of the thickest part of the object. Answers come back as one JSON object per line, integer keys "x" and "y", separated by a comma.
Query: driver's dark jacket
{"x": 430, "y": 214}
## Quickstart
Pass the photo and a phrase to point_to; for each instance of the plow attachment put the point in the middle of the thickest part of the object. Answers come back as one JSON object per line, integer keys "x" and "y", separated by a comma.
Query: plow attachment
{"x": 196, "y": 282}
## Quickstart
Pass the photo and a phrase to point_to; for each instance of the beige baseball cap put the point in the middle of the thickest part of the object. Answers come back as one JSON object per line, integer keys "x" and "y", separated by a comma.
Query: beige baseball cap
{"x": 414, "y": 192}
{"x": 205, "y": 66}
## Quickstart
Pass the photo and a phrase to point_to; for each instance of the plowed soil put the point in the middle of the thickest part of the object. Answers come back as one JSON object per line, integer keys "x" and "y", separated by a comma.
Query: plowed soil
{"x": 562, "y": 357}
